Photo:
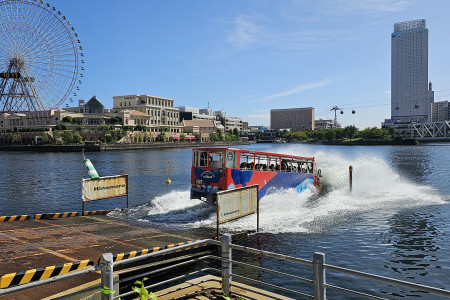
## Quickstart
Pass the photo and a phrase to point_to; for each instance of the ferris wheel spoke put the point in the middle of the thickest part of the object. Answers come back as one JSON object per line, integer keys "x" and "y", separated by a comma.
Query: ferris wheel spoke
{"x": 50, "y": 79}
{"x": 47, "y": 28}
{"x": 7, "y": 25}
{"x": 55, "y": 71}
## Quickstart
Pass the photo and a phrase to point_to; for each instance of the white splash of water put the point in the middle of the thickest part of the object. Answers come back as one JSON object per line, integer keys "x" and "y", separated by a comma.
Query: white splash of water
{"x": 377, "y": 188}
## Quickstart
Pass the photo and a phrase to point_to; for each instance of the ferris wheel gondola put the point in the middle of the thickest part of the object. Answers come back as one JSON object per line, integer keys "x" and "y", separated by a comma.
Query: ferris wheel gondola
{"x": 39, "y": 56}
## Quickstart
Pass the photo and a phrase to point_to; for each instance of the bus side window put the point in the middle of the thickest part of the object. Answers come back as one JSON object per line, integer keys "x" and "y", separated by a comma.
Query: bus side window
{"x": 203, "y": 159}
{"x": 231, "y": 160}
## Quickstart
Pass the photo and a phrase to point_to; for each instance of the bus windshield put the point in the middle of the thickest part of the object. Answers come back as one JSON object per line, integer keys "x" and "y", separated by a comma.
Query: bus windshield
{"x": 208, "y": 158}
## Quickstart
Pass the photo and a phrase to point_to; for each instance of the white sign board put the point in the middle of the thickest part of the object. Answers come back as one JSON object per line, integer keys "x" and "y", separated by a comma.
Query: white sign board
{"x": 236, "y": 203}
{"x": 105, "y": 187}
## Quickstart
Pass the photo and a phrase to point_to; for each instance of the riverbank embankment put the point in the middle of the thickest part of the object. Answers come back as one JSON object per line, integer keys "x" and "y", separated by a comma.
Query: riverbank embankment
{"x": 114, "y": 147}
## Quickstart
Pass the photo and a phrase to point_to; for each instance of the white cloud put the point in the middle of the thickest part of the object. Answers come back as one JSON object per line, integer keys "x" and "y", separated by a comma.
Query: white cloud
{"x": 300, "y": 88}
{"x": 245, "y": 31}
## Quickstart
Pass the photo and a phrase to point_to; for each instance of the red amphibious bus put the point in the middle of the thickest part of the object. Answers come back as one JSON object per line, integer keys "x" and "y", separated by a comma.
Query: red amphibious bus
{"x": 215, "y": 169}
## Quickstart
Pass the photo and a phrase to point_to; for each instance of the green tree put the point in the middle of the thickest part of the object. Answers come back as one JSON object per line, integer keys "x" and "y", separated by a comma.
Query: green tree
{"x": 317, "y": 135}
{"x": 68, "y": 137}
{"x": 77, "y": 138}
{"x": 350, "y": 132}
{"x": 340, "y": 134}
{"x": 330, "y": 135}
{"x": 103, "y": 127}
{"x": 162, "y": 137}
{"x": 213, "y": 137}
{"x": 45, "y": 139}
{"x": 374, "y": 133}
{"x": 68, "y": 119}
{"x": 298, "y": 136}
{"x": 13, "y": 138}
{"x": 115, "y": 120}
{"x": 61, "y": 127}
{"x": 108, "y": 138}
{"x": 220, "y": 134}
{"x": 236, "y": 132}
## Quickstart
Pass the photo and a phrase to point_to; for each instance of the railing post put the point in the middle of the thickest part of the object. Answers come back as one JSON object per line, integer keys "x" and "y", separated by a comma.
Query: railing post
{"x": 106, "y": 262}
{"x": 319, "y": 276}
{"x": 226, "y": 264}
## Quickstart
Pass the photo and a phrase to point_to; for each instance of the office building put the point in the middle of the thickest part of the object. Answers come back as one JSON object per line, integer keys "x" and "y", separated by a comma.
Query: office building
{"x": 411, "y": 93}
{"x": 293, "y": 119}
{"x": 440, "y": 111}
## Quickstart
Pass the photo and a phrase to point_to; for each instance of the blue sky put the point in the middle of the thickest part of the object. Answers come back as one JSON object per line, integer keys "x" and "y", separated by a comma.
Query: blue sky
{"x": 247, "y": 57}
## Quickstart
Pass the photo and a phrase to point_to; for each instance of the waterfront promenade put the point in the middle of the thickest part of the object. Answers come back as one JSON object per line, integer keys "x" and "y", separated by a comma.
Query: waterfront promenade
{"x": 115, "y": 147}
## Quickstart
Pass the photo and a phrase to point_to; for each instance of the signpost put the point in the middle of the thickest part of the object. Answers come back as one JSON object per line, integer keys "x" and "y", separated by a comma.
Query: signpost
{"x": 237, "y": 203}
{"x": 104, "y": 187}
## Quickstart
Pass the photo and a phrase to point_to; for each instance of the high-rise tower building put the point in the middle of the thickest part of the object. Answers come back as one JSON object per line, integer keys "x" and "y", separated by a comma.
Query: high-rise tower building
{"x": 411, "y": 94}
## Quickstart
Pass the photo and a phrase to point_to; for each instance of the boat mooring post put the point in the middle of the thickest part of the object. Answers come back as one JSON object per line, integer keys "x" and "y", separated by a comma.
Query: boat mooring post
{"x": 350, "y": 180}
{"x": 168, "y": 172}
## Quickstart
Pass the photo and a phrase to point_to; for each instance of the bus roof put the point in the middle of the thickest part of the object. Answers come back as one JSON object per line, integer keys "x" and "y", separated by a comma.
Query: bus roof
{"x": 253, "y": 152}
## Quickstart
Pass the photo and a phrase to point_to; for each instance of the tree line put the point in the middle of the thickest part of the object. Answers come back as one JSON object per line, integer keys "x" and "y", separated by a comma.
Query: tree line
{"x": 346, "y": 134}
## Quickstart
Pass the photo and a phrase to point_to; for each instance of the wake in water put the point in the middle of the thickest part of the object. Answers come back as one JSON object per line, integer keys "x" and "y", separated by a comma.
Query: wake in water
{"x": 377, "y": 188}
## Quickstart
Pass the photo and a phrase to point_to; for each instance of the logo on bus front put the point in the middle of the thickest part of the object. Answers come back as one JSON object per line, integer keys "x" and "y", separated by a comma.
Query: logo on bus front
{"x": 207, "y": 175}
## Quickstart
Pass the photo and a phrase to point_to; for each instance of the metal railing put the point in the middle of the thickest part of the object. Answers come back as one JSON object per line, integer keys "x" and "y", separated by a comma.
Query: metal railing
{"x": 318, "y": 282}
{"x": 319, "y": 275}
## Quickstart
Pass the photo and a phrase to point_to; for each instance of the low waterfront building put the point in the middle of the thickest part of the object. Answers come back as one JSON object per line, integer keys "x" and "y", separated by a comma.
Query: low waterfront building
{"x": 201, "y": 128}
{"x": 198, "y": 126}
{"x": 161, "y": 111}
{"x": 231, "y": 123}
{"x": 326, "y": 124}
{"x": 205, "y": 114}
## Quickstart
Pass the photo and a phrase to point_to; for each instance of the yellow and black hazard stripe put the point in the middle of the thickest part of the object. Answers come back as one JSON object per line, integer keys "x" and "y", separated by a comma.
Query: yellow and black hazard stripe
{"x": 188, "y": 248}
{"x": 122, "y": 256}
{"x": 14, "y": 218}
{"x": 42, "y": 273}
{"x": 97, "y": 212}
{"x": 56, "y": 215}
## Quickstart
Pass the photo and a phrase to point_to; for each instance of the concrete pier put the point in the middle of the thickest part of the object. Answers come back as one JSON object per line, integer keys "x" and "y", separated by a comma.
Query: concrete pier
{"x": 31, "y": 244}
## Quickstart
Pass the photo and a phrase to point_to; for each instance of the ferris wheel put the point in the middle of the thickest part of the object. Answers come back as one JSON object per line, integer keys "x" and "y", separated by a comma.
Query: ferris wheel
{"x": 41, "y": 62}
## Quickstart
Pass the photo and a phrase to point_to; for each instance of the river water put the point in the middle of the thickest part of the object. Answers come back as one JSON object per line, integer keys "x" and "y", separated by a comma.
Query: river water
{"x": 394, "y": 223}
